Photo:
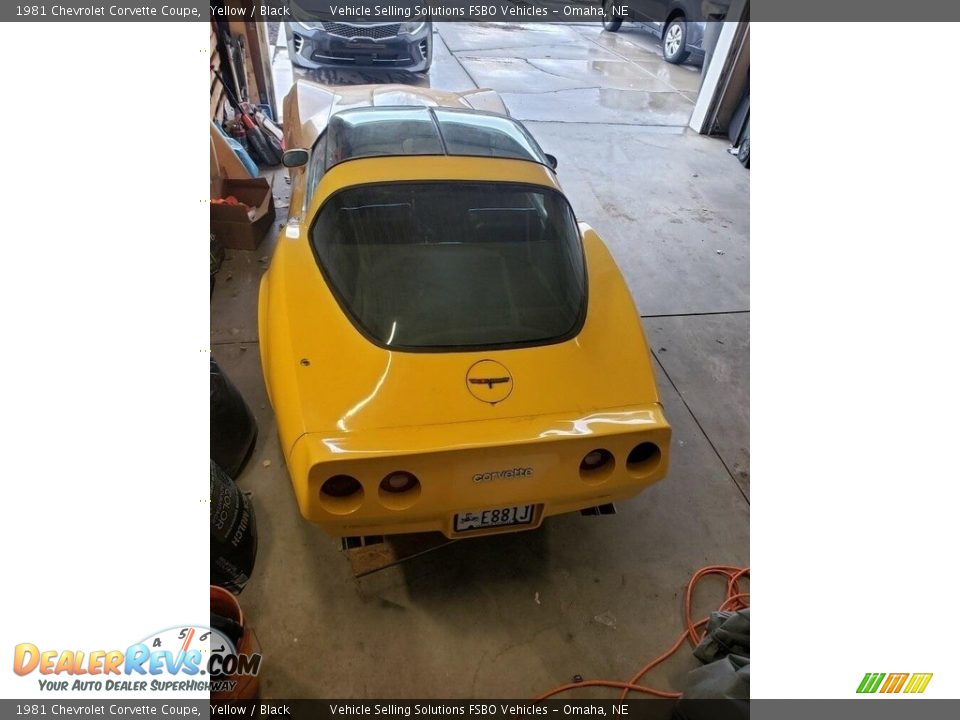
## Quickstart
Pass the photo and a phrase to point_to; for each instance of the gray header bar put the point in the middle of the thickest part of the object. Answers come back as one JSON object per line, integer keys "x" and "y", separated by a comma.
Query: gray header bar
{"x": 105, "y": 708}
{"x": 458, "y": 10}
{"x": 873, "y": 708}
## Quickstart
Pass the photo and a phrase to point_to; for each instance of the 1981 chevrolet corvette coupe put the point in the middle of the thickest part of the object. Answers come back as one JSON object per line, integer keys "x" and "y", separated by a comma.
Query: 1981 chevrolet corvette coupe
{"x": 444, "y": 346}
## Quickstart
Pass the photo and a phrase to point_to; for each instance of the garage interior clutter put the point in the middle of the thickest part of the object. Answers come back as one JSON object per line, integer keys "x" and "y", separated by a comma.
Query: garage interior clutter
{"x": 480, "y": 358}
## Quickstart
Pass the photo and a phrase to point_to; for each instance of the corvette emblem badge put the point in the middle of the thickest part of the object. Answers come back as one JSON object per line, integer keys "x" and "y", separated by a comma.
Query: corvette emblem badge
{"x": 489, "y": 381}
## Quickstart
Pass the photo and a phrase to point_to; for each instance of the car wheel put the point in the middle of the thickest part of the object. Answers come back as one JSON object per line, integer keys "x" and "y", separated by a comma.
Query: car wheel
{"x": 675, "y": 41}
{"x": 611, "y": 22}
{"x": 743, "y": 154}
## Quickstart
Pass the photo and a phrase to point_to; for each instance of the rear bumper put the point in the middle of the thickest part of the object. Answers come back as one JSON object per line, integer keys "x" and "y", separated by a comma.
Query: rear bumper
{"x": 315, "y": 48}
{"x": 466, "y": 467}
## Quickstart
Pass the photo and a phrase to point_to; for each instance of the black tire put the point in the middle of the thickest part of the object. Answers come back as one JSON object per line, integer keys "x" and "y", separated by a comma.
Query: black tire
{"x": 611, "y": 22}
{"x": 743, "y": 153}
{"x": 233, "y": 429}
{"x": 677, "y": 52}
{"x": 233, "y": 532}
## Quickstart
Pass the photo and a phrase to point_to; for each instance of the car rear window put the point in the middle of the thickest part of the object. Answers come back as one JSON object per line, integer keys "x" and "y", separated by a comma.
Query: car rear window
{"x": 454, "y": 265}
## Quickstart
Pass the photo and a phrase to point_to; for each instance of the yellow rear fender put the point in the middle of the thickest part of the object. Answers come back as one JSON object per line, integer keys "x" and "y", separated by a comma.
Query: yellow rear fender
{"x": 477, "y": 466}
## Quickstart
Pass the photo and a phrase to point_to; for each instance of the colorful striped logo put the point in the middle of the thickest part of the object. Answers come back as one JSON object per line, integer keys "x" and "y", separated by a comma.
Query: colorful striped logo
{"x": 894, "y": 682}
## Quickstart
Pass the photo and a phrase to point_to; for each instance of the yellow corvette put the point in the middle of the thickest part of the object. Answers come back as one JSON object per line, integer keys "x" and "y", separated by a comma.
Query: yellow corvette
{"x": 444, "y": 346}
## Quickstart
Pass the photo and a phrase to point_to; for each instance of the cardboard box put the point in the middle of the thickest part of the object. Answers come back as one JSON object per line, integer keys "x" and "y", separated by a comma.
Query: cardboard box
{"x": 238, "y": 227}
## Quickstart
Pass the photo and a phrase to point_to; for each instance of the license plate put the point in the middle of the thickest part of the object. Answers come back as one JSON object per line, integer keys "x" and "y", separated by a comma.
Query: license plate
{"x": 497, "y": 517}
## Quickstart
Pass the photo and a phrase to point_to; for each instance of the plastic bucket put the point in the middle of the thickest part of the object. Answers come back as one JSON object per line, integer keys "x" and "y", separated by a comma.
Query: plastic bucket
{"x": 245, "y": 687}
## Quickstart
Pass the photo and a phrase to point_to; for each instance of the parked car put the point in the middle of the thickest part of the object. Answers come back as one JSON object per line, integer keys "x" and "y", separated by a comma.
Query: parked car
{"x": 445, "y": 348}
{"x": 403, "y": 45}
{"x": 681, "y": 37}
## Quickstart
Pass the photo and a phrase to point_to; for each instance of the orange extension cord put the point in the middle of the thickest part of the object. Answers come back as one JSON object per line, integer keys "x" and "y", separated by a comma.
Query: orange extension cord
{"x": 734, "y": 601}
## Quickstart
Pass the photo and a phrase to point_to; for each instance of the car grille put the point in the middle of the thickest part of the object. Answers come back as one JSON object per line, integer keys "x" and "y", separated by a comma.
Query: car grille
{"x": 373, "y": 32}
{"x": 297, "y": 43}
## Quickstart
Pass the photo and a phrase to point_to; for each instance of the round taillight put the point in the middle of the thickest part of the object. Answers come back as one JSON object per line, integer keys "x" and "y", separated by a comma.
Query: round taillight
{"x": 643, "y": 458}
{"x": 595, "y": 459}
{"x": 399, "y": 482}
{"x": 340, "y": 486}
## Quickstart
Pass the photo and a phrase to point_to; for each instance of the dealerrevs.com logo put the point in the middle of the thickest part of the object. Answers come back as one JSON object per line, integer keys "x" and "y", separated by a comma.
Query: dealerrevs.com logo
{"x": 181, "y": 659}
{"x": 910, "y": 683}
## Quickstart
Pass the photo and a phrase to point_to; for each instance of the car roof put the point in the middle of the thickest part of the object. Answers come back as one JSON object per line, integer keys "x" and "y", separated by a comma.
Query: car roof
{"x": 403, "y": 130}
{"x": 308, "y": 106}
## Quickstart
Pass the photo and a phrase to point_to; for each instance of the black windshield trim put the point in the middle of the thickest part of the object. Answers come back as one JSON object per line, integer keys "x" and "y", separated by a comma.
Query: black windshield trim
{"x": 347, "y": 311}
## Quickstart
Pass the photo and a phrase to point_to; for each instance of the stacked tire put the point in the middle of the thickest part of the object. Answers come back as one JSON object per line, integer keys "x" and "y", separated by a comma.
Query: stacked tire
{"x": 233, "y": 532}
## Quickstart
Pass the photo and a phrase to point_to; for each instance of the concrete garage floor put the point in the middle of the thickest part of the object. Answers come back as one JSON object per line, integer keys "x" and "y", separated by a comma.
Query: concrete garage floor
{"x": 511, "y": 616}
